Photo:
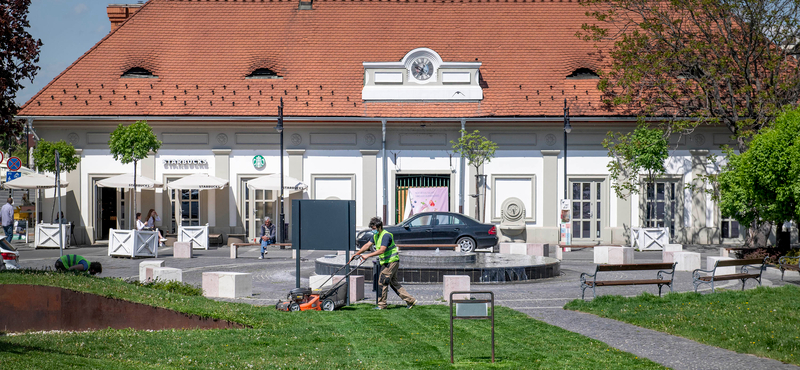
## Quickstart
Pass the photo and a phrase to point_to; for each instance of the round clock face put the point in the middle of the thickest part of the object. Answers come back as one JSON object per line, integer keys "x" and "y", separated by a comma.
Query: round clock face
{"x": 422, "y": 68}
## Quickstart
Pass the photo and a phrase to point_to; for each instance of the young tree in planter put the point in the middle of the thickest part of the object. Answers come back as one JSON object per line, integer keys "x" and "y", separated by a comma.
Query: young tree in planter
{"x": 45, "y": 158}
{"x": 477, "y": 150}
{"x": 643, "y": 150}
{"x": 761, "y": 184}
{"x": 132, "y": 144}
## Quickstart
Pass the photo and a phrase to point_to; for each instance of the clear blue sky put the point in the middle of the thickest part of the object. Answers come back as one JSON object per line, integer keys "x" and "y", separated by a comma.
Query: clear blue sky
{"x": 68, "y": 28}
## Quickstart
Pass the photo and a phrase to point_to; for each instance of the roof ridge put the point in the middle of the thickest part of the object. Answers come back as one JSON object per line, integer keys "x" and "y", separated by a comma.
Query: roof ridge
{"x": 83, "y": 56}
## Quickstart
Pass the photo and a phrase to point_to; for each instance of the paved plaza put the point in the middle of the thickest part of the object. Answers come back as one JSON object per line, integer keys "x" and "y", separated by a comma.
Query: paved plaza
{"x": 541, "y": 299}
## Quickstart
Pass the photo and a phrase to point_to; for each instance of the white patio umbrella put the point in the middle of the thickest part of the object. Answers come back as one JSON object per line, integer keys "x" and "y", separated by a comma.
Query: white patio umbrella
{"x": 125, "y": 181}
{"x": 202, "y": 181}
{"x": 273, "y": 182}
{"x": 34, "y": 181}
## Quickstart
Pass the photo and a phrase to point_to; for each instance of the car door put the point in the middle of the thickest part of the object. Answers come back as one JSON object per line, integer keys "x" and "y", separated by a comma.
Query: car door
{"x": 445, "y": 229}
{"x": 416, "y": 230}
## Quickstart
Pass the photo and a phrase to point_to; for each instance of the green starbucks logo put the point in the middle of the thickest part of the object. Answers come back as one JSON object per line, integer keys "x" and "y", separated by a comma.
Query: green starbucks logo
{"x": 259, "y": 162}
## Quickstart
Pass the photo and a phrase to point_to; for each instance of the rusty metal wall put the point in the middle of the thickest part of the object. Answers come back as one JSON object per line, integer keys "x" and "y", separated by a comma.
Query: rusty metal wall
{"x": 38, "y": 308}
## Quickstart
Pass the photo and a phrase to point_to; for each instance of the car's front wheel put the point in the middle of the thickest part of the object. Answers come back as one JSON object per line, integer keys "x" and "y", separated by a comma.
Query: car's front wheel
{"x": 466, "y": 244}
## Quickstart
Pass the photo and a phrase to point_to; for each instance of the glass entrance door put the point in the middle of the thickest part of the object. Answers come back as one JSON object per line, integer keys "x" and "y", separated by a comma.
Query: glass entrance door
{"x": 257, "y": 204}
{"x": 587, "y": 210}
{"x": 660, "y": 207}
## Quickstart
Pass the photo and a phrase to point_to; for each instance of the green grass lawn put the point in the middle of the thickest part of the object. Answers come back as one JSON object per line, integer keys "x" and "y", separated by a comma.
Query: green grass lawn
{"x": 355, "y": 337}
{"x": 762, "y": 321}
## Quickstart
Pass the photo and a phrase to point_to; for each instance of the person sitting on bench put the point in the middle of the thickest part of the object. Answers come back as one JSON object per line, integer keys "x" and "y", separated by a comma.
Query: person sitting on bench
{"x": 267, "y": 235}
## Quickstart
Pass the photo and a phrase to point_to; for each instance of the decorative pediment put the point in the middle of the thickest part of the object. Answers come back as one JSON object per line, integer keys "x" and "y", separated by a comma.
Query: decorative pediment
{"x": 422, "y": 75}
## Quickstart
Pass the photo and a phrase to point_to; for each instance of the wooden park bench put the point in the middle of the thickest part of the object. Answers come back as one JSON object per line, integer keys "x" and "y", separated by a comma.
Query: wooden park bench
{"x": 785, "y": 263}
{"x": 743, "y": 274}
{"x": 664, "y": 269}
{"x": 428, "y": 246}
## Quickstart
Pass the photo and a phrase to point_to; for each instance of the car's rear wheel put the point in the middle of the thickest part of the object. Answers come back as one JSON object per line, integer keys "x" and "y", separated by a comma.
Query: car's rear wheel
{"x": 466, "y": 244}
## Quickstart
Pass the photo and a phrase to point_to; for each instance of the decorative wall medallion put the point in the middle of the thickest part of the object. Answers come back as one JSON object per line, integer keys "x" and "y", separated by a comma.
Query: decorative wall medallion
{"x": 699, "y": 139}
{"x": 550, "y": 139}
{"x": 259, "y": 162}
{"x": 369, "y": 139}
{"x": 222, "y": 139}
{"x": 296, "y": 139}
{"x": 73, "y": 138}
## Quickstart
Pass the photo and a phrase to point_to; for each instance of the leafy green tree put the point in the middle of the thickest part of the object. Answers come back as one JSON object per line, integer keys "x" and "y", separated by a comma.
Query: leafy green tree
{"x": 44, "y": 155}
{"x": 694, "y": 62}
{"x": 132, "y": 144}
{"x": 477, "y": 150}
{"x": 763, "y": 183}
{"x": 643, "y": 150}
{"x": 19, "y": 53}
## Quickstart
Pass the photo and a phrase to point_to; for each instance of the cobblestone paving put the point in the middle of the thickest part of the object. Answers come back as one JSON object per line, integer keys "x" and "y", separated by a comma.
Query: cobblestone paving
{"x": 541, "y": 299}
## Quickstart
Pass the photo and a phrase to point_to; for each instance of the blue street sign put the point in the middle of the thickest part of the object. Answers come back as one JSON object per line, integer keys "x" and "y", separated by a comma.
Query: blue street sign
{"x": 12, "y": 175}
{"x": 14, "y": 164}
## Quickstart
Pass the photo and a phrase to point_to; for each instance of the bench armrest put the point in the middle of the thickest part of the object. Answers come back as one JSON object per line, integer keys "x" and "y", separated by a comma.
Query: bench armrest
{"x": 585, "y": 275}
{"x": 696, "y": 273}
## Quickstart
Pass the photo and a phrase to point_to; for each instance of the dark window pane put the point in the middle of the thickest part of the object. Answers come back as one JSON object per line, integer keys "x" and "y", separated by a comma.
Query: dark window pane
{"x": 734, "y": 229}
{"x": 587, "y": 191}
{"x": 660, "y": 210}
{"x": 576, "y": 191}
{"x": 576, "y": 229}
{"x": 195, "y": 210}
{"x": 587, "y": 232}
{"x": 185, "y": 209}
{"x": 726, "y": 233}
{"x": 246, "y": 193}
{"x": 649, "y": 191}
{"x": 587, "y": 210}
{"x": 660, "y": 224}
{"x": 660, "y": 191}
{"x": 195, "y": 194}
{"x": 597, "y": 194}
{"x": 185, "y": 194}
{"x": 247, "y": 210}
{"x": 598, "y": 230}
{"x": 597, "y": 215}
{"x": 576, "y": 209}
{"x": 672, "y": 191}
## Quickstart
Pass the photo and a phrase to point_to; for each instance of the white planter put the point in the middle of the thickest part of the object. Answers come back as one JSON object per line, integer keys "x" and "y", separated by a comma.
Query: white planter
{"x": 197, "y": 235}
{"x": 133, "y": 243}
{"x": 649, "y": 238}
{"x": 47, "y": 235}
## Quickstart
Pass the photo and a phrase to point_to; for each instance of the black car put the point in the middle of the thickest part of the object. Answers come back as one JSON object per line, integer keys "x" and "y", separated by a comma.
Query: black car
{"x": 440, "y": 228}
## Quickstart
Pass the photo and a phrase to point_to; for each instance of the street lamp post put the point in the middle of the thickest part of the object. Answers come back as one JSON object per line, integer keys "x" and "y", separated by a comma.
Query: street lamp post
{"x": 279, "y": 128}
{"x": 567, "y": 129}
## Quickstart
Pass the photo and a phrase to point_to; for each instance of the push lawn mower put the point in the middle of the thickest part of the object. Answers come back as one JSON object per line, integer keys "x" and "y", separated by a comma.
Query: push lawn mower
{"x": 303, "y": 299}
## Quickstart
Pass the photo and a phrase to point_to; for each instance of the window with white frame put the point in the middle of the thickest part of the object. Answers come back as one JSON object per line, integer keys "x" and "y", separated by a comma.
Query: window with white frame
{"x": 341, "y": 187}
{"x": 730, "y": 228}
{"x": 662, "y": 204}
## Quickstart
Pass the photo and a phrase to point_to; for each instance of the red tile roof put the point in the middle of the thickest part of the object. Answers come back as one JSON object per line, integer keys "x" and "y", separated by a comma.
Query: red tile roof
{"x": 201, "y": 52}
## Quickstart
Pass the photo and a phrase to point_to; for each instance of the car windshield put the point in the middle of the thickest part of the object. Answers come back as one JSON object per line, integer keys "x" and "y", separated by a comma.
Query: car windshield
{"x": 4, "y": 244}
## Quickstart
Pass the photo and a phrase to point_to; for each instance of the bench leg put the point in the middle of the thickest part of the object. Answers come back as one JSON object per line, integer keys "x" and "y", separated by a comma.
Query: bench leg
{"x": 659, "y": 290}
{"x": 583, "y": 292}
{"x": 782, "y": 271}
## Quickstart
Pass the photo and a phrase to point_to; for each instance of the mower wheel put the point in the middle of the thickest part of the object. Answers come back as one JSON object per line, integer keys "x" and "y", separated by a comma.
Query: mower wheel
{"x": 327, "y": 305}
{"x": 294, "y": 307}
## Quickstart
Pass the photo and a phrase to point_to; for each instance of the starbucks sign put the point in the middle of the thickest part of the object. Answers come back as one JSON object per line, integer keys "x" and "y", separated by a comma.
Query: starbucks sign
{"x": 259, "y": 162}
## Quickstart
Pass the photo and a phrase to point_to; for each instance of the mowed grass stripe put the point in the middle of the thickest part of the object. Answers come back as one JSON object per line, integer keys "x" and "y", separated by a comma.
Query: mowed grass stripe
{"x": 355, "y": 337}
{"x": 761, "y": 321}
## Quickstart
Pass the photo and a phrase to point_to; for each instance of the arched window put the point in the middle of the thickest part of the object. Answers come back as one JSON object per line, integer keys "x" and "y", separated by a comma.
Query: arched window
{"x": 139, "y": 72}
{"x": 583, "y": 74}
{"x": 263, "y": 73}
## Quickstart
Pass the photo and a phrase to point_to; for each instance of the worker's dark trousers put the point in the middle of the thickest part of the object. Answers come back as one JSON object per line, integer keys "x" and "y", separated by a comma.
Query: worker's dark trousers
{"x": 388, "y": 278}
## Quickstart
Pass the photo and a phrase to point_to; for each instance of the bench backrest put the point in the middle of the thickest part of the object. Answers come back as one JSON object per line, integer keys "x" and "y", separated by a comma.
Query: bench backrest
{"x": 636, "y": 266}
{"x": 751, "y": 261}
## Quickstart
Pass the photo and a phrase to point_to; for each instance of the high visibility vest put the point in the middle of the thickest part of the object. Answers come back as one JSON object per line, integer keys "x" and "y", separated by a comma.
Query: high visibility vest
{"x": 72, "y": 260}
{"x": 392, "y": 254}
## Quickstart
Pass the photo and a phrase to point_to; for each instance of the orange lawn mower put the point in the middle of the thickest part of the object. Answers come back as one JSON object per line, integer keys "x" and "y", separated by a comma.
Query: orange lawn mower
{"x": 303, "y": 299}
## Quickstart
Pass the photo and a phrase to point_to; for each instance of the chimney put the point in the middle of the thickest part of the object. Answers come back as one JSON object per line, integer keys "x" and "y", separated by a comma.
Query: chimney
{"x": 118, "y": 13}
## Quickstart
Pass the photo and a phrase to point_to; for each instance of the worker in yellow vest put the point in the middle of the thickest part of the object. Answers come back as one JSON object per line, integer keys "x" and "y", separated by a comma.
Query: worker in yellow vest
{"x": 389, "y": 258}
{"x": 78, "y": 263}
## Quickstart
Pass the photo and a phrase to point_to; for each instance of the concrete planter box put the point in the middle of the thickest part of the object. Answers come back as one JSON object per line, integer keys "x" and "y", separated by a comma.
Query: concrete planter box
{"x": 649, "y": 238}
{"x": 133, "y": 243}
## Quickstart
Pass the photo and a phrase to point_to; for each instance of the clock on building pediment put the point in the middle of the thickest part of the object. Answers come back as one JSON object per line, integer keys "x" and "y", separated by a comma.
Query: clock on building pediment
{"x": 422, "y": 75}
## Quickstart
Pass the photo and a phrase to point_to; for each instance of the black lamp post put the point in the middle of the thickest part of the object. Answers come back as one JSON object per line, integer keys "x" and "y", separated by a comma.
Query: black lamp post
{"x": 567, "y": 129}
{"x": 279, "y": 128}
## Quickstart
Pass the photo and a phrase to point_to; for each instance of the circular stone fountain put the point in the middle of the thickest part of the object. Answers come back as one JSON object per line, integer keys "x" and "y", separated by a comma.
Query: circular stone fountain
{"x": 431, "y": 266}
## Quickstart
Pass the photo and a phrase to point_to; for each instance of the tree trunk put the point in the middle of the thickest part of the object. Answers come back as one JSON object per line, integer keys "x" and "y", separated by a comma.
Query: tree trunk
{"x": 477, "y": 195}
{"x": 758, "y": 235}
{"x": 133, "y": 197}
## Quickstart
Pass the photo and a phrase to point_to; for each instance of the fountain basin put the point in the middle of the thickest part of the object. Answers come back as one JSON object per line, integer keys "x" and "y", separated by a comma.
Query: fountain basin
{"x": 430, "y": 267}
